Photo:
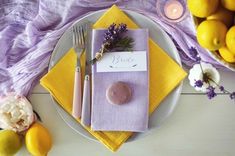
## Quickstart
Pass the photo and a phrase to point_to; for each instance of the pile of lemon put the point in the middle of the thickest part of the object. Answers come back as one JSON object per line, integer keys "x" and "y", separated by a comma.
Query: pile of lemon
{"x": 216, "y": 32}
{"x": 37, "y": 139}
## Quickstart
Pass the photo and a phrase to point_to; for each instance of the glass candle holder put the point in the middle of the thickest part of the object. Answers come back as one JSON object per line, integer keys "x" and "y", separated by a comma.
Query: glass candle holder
{"x": 171, "y": 10}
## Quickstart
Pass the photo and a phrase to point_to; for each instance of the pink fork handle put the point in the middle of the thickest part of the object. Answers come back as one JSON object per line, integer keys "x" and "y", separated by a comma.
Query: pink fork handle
{"x": 86, "y": 103}
{"x": 77, "y": 94}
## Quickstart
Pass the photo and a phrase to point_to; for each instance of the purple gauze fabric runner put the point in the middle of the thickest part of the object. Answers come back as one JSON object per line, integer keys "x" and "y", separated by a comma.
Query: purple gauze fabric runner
{"x": 30, "y": 29}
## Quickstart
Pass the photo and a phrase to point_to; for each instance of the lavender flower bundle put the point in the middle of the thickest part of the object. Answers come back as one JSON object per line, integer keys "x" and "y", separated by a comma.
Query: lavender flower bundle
{"x": 114, "y": 40}
{"x": 207, "y": 80}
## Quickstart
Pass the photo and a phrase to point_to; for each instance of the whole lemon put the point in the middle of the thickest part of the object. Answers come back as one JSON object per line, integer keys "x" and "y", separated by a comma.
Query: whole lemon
{"x": 230, "y": 39}
{"x": 227, "y": 55}
{"x": 202, "y": 8}
{"x": 38, "y": 140}
{"x": 223, "y": 15}
{"x": 211, "y": 34}
{"x": 10, "y": 143}
{"x": 229, "y": 4}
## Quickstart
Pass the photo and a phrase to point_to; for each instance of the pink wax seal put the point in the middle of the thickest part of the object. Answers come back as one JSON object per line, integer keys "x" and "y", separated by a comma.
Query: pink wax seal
{"x": 118, "y": 93}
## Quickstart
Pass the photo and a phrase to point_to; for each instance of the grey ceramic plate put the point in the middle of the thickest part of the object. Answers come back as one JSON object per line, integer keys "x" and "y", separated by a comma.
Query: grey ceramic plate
{"x": 158, "y": 35}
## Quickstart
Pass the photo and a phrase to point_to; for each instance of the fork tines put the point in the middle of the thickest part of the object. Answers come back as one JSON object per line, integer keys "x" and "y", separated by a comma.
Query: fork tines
{"x": 79, "y": 35}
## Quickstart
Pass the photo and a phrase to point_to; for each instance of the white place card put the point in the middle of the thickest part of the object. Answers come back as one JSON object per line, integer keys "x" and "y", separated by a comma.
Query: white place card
{"x": 122, "y": 62}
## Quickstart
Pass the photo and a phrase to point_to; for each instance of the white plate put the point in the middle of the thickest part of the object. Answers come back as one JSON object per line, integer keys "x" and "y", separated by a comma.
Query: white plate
{"x": 158, "y": 35}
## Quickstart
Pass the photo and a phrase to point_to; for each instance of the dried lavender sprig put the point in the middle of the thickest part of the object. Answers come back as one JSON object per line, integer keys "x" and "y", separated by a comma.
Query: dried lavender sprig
{"x": 211, "y": 92}
{"x": 206, "y": 78}
{"x": 232, "y": 96}
{"x": 198, "y": 83}
{"x": 222, "y": 89}
{"x": 114, "y": 32}
{"x": 113, "y": 39}
{"x": 194, "y": 54}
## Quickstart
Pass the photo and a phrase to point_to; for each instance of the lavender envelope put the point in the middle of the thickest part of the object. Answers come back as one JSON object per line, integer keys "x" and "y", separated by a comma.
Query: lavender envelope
{"x": 132, "y": 116}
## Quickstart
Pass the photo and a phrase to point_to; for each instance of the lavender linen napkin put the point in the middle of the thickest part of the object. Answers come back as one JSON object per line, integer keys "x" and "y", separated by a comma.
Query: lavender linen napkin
{"x": 132, "y": 116}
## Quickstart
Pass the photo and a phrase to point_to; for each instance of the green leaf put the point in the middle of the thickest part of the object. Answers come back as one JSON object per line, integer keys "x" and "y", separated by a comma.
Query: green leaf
{"x": 125, "y": 43}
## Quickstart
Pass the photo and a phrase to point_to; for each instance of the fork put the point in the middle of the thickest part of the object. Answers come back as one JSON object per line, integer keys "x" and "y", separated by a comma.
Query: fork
{"x": 79, "y": 47}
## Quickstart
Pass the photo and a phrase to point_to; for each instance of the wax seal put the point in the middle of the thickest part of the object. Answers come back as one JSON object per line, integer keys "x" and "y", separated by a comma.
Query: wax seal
{"x": 118, "y": 93}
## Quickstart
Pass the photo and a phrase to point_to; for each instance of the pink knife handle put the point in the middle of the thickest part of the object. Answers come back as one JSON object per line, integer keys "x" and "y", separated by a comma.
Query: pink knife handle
{"x": 77, "y": 94}
{"x": 86, "y": 103}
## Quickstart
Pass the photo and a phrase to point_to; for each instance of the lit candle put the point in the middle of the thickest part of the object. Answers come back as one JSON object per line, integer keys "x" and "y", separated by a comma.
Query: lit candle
{"x": 173, "y": 9}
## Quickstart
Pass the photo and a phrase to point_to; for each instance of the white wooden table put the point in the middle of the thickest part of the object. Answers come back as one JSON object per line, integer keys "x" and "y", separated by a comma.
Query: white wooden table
{"x": 198, "y": 127}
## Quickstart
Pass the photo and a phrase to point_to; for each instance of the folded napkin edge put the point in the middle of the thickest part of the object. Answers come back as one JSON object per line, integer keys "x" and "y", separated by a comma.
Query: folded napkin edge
{"x": 172, "y": 86}
{"x": 101, "y": 136}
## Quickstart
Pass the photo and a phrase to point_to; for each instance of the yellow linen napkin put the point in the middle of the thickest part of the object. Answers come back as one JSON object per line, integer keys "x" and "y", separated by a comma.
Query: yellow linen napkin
{"x": 165, "y": 75}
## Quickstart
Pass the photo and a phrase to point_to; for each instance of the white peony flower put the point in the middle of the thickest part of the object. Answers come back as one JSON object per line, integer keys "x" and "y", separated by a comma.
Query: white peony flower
{"x": 196, "y": 74}
{"x": 16, "y": 113}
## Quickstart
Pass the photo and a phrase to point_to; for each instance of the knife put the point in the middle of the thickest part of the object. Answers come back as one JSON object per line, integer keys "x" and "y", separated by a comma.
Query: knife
{"x": 86, "y": 103}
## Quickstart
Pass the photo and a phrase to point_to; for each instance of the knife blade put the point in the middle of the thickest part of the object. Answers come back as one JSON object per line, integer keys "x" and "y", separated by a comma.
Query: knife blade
{"x": 86, "y": 103}
{"x": 88, "y": 48}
